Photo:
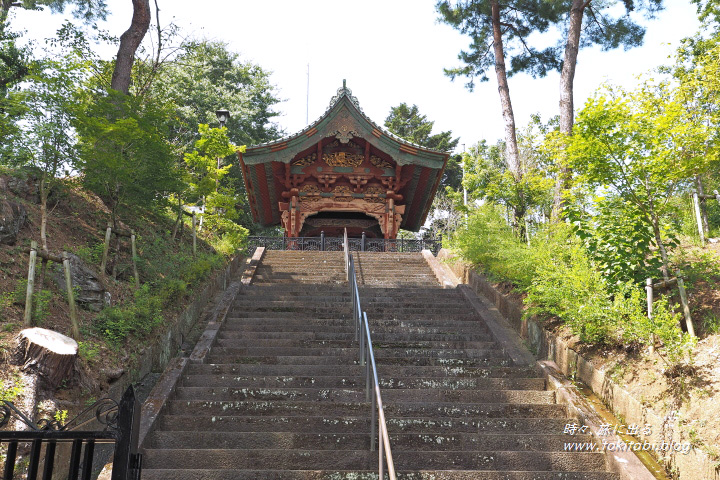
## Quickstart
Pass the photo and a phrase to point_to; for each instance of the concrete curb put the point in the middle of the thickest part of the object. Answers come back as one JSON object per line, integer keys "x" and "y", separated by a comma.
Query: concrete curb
{"x": 444, "y": 275}
{"x": 501, "y": 330}
{"x": 251, "y": 265}
{"x": 624, "y": 463}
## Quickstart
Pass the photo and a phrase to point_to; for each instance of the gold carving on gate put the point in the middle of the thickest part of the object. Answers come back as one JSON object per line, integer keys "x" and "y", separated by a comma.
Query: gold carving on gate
{"x": 305, "y": 161}
{"x": 379, "y": 162}
{"x": 312, "y": 193}
{"x": 343, "y": 159}
{"x": 374, "y": 190}
{"x": 342, "y": 193}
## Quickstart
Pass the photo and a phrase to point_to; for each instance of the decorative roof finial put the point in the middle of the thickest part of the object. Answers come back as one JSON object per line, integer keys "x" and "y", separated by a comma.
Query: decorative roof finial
{"x": 344, "y": 85}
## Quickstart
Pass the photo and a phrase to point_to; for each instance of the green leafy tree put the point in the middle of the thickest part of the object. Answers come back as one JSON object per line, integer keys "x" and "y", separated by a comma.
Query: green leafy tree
{"x": 498, "y": 31}
{"x": 205, "y": 174}
{"x": 206, "y": 76}
{"x": 488, "y": 177}
{"x": 697, "y": 69}
{"x": 407, "y": 123}
{"x": 124, "y": 154}
{"x": 641, "y": 146}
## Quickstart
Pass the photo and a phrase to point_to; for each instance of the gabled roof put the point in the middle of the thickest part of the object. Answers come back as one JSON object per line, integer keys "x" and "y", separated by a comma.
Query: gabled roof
{"x": 263, "y": 164}
{"x": 402, "y": 151}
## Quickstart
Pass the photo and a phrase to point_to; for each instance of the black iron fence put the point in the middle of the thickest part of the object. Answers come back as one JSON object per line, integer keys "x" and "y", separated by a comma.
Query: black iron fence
{"x": 335, "y": 244}
{"x": 46, "y": 444}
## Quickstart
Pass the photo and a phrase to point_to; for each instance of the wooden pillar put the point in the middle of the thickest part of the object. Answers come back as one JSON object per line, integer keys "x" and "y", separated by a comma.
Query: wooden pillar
{"x": 194, "y": 234}
{"x": 106, "y": 250}
{"x": 71, "y": 296}
{"x": 30, "y": 285}
{"x": 134, "y": 259}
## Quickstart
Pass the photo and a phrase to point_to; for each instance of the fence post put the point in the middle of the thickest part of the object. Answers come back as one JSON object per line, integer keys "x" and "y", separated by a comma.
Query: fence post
{"x": 698, "y": 217}
{"x": 322, "y": 241}
{"x": 362, "y": 242}
{"x": 134, "y": 258}
{"x": 30, "y": 285}
{"x": 127, "y": 460}
{"x": 106, "y": 249}
{"x": 685, "y": 306}
{"x": 649, "y": 290}
{"x": 194, "y": 234}
{"x": 71, "y": 296}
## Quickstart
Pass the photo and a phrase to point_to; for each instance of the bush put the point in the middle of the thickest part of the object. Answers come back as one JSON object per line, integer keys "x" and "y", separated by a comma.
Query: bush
{"x": 489, "y": 242}
{"x": 565, "y": 285}
{"x": 562, "y": 281}
{"x": 139, "y": 318}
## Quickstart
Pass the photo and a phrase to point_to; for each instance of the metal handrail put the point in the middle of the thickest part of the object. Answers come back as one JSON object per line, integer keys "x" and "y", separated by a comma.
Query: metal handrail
{"x": 367, "y": 359}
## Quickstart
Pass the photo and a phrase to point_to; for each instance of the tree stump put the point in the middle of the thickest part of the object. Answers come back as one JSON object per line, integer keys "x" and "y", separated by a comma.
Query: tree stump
{"x": 50, "y": 354}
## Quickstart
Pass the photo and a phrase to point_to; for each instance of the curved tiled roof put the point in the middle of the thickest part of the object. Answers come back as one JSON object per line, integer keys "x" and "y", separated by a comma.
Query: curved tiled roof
{"x": 344, "y": 92}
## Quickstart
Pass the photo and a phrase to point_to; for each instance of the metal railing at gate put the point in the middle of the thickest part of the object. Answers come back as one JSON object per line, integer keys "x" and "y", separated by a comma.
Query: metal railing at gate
{"x": 46, "y": 438}
{"x": 324, "y": 243}
{"x": 372, "y": 382}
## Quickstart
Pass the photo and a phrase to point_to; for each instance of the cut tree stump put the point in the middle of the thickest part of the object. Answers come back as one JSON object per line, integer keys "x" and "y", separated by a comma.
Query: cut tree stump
{"x": 49, "y": 353}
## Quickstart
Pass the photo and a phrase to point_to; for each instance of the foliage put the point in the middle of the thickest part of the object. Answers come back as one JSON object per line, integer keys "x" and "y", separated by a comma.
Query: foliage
{"x": 117, "y": 323}
{"x": 641, "y": 146}
{"x": 91, "y": 254}
{"x": 124, "y": 155}
{"x": 487, "y": 240}
{"x": 205, "y": 76}
{"x": 521, "y": 19}
{"x": 88, "y": 10}
{"x": 561, "y": 281}
{"x": 617, "y": 240}
{"x": 41, "y": 308}
{"x": 205, "y": 178}
{"x": 488, "y": 178}
{"x": 407, "y": 123}
{"x": 10, "y": 390}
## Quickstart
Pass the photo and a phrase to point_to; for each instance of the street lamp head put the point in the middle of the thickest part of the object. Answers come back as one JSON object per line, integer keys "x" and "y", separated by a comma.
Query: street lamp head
{"x": 222, "y": 116}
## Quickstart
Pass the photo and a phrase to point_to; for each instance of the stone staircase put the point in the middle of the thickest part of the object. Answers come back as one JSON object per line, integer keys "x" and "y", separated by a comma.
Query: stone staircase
{"x": 281, "y": 393}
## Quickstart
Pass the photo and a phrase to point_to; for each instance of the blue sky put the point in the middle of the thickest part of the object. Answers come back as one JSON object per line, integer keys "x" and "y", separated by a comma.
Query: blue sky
{"x": 389, "y": 51}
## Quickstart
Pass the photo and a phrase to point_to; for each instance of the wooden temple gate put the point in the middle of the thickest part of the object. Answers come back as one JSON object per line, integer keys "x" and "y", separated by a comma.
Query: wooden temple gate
{"x": 342, "y": 172}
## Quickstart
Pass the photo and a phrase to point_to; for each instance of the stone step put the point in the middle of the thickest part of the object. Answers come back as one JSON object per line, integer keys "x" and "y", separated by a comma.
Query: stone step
{"x": 348, "y": 394}
{"x": 359, "y": 441}
{"x": 349, "y": 337}
{"x": 342, "y": 326}
{"x": 332, "y": 353}
{"x": 330, "y": 423}
{"x": 385, "y": 371}
{"x": 366, "y": 460}
{"x": 216, "y": 355}
{"x": 358, "y": 381}
{"x": 393, "y": 410}
{"x": 214, "y": 474}
{"x": 376, "y": 318}
{"x": 348, "y": 342}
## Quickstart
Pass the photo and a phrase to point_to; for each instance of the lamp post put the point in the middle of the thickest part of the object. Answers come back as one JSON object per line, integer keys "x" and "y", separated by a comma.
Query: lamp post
{"x": 223, "y": 116}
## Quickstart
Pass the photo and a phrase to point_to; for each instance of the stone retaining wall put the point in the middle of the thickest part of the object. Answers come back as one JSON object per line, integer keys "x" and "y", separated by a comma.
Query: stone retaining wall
{"x": 695, "y": 465}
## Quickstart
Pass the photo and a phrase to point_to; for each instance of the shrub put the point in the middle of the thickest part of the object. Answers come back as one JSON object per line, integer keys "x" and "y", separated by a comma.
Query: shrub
{"x": 139, "y": 318}
{"x": 561, "y": 280}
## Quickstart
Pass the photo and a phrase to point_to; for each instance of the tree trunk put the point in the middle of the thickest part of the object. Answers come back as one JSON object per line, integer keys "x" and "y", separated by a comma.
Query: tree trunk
{"x": 703, "y": 203}
{"x": 43, "y": 229}
{"x": 511, "y": 148}
{"x": 567, "y": 106}
{"x": 179, "y": 219}
{"x": 129, "y": 43}
{"x": 49, "y": 353}
{"x": 661, "y": 246}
